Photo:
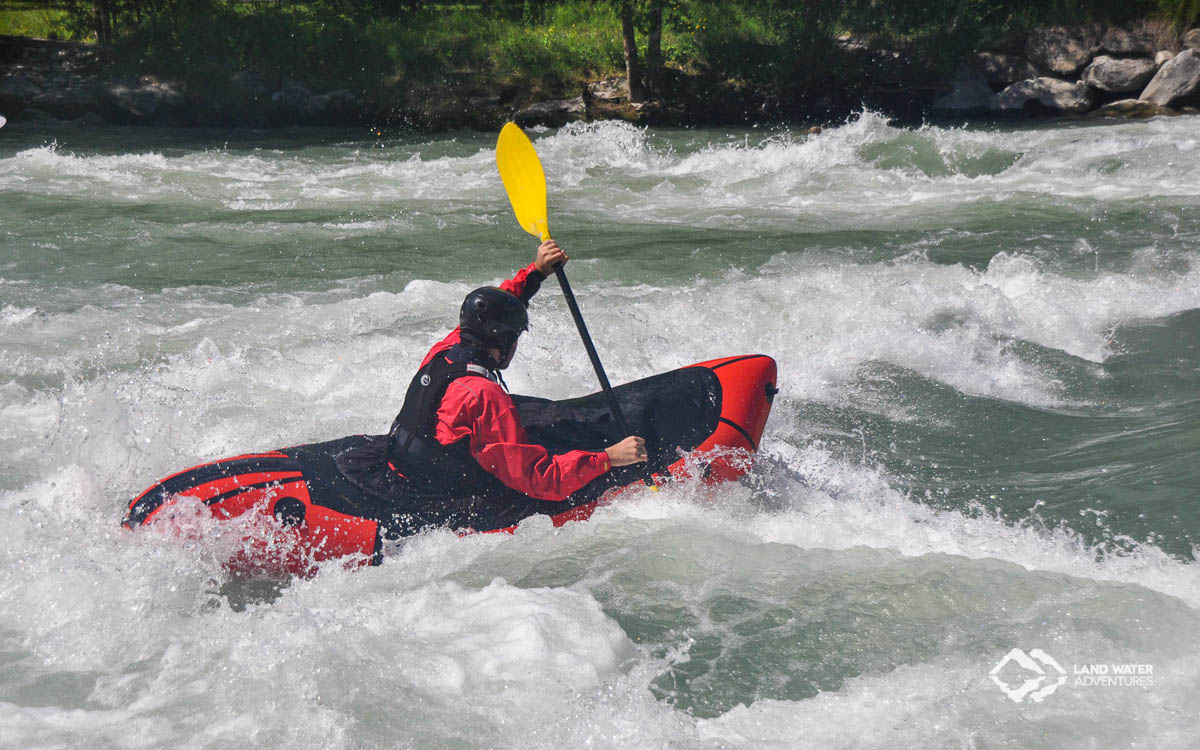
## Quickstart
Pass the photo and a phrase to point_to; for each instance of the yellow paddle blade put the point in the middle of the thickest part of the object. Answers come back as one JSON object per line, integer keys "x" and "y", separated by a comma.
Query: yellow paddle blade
{"x": 524, "y": 180}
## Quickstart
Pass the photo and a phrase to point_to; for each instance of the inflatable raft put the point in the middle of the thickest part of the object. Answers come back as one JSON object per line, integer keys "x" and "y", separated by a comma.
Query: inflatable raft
{"x": 296, "y": 507}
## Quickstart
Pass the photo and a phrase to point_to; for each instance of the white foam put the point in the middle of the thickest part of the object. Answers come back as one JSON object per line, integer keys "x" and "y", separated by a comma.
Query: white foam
{"x": 105, "y": 388}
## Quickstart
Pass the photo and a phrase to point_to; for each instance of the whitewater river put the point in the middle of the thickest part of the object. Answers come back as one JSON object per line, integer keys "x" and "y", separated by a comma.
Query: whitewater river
{"x": 987, "y": 438}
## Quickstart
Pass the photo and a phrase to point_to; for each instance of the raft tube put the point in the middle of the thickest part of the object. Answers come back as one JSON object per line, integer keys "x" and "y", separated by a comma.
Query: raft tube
{"x": 296, "y": 507}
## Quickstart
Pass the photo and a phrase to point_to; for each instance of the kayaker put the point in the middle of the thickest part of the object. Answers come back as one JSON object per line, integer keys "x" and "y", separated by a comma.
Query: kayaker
{"x": 458, "y": 420}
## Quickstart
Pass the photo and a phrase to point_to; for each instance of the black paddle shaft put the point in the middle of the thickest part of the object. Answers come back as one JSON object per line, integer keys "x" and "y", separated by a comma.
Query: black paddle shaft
{"x": 613, "y": 406}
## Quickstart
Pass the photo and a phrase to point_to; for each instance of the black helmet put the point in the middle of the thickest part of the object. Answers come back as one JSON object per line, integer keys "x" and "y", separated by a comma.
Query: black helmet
{"x": 495, "y": 316}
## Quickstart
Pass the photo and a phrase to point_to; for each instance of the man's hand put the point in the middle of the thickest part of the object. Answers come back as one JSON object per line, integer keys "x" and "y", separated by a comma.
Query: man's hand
{"x": 549, "y": 255}
{"x": 631, "y": 450}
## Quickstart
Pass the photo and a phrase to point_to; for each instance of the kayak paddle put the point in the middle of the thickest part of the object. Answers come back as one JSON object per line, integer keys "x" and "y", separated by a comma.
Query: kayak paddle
{"x": 525, "y": 182}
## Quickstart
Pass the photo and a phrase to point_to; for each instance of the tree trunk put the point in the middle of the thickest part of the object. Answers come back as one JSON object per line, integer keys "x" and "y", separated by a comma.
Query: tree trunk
{"x": 654, "y": 58}
{"x": 633, "y": 69}
{"x": 103, "y": 22}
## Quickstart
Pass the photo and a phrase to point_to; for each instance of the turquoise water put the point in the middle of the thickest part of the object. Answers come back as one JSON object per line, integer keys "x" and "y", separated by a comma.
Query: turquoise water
{"x": 986, "y": 439}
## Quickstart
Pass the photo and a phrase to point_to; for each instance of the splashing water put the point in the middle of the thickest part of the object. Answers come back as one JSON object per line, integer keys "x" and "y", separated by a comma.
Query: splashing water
{"x": 989, "y": 350}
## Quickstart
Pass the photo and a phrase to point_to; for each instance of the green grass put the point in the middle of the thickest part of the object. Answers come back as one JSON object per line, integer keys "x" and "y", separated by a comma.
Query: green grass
{"x": 552, "y": 54}
{"x": 40, "y": 20}
{"x": 1182, "y": 14}
{"x": 555, "y": 53}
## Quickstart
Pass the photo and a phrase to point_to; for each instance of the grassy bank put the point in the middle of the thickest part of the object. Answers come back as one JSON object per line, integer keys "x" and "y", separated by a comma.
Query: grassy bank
{"x": 37, "y": 19}
{"x": 400, "y": 54}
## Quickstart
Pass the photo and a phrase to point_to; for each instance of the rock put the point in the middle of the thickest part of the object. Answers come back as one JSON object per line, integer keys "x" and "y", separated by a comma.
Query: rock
{"x": 609, "y": 90}
{"x": 1003, "y": 69}
{"x": 35, "y": 116}
{"x": 483, "y": 102}
{"x": 555, "y": 113}
{"x": 332, "y": 108}
{"x": 66, "y": 104}
{"x": 1061, "y": 50}
{"x": 316, "y": 108}
{"x": 1041, "y": 94}
{"x": 1176, "y": 81}
{"x": 343, "y": 103}
{"x": 16, "y": 92}
{"x": 1120, "y": 41}
{"x": 89, "y": 120}
{"x": 1119, "y": 75}
{"x": 970, "y": 93}
{"x": 1191, "y": 40}
{"x": 1162, "y": 57}
{"x": 251, "y": 82}
{"x": 145, "y": 99}
{"x": 1133, "y": 109}
{"x": 290, "y": 102}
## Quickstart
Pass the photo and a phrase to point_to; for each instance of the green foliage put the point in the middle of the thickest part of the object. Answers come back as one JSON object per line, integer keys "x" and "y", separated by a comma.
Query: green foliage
{"x": 567, "y": 45}
{"x": 550, "y": 47}
{"x": 1182, "y": 14}
{"x": 204, "y": 41}
{"x": 35, "y": 19}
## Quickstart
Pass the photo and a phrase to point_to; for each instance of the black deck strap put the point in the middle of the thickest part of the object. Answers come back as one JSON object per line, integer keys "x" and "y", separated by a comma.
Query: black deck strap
{"x": 152, "y": 499}
{"x": 745, "y": 434}
{"x": 247, "y": 487}
{"x": 735, "y": 360}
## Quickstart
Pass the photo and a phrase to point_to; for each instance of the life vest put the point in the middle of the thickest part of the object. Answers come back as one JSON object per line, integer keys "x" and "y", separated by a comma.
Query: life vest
{"x": 413, "y": 448}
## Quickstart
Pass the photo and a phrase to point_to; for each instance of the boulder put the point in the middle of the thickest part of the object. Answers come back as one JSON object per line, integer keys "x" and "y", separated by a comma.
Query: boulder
{"x": 1132, "y": 109}
{"x": 609, "y": 90}
{"x": 1176, "y": 82}
{"x": 143, "y": 99}
{"x": 290, "y": 102}
{"x": 1002, "y": 69}
{"x": 1191, "y": 40}
{"x": 315, "y": 109}
{"x": 970, "y": 92}
{"x": 89, "y": 120}
{"x": 333, "y": 108}
{"x": 16, "y": 92}
{"x": 1162, "y": 57}
{"x": 66, "y": 104}
{"x": 1062, "y": 50}
{"x": 35, "y": 116}
{"x": 343, "y": 104}
{"x": 1118, "y": 41}
{"x": 251, "y": 82}
{"x": 1043, "y": 94}
{"x": 1119, "y": 75}
{"x": 554, "y": 113}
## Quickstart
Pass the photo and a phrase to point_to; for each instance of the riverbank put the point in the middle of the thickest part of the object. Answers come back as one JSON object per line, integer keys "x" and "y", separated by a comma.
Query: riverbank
{"x": 1140, "y": 70}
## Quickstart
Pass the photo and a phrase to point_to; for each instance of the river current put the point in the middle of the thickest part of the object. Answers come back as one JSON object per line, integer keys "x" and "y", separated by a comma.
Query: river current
{"x": 987, "y": 438}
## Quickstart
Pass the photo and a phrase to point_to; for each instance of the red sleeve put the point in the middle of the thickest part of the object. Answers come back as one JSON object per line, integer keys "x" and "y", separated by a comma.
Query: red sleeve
{"x": 525, "y": 284}
{"x": 478, "y": 409}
